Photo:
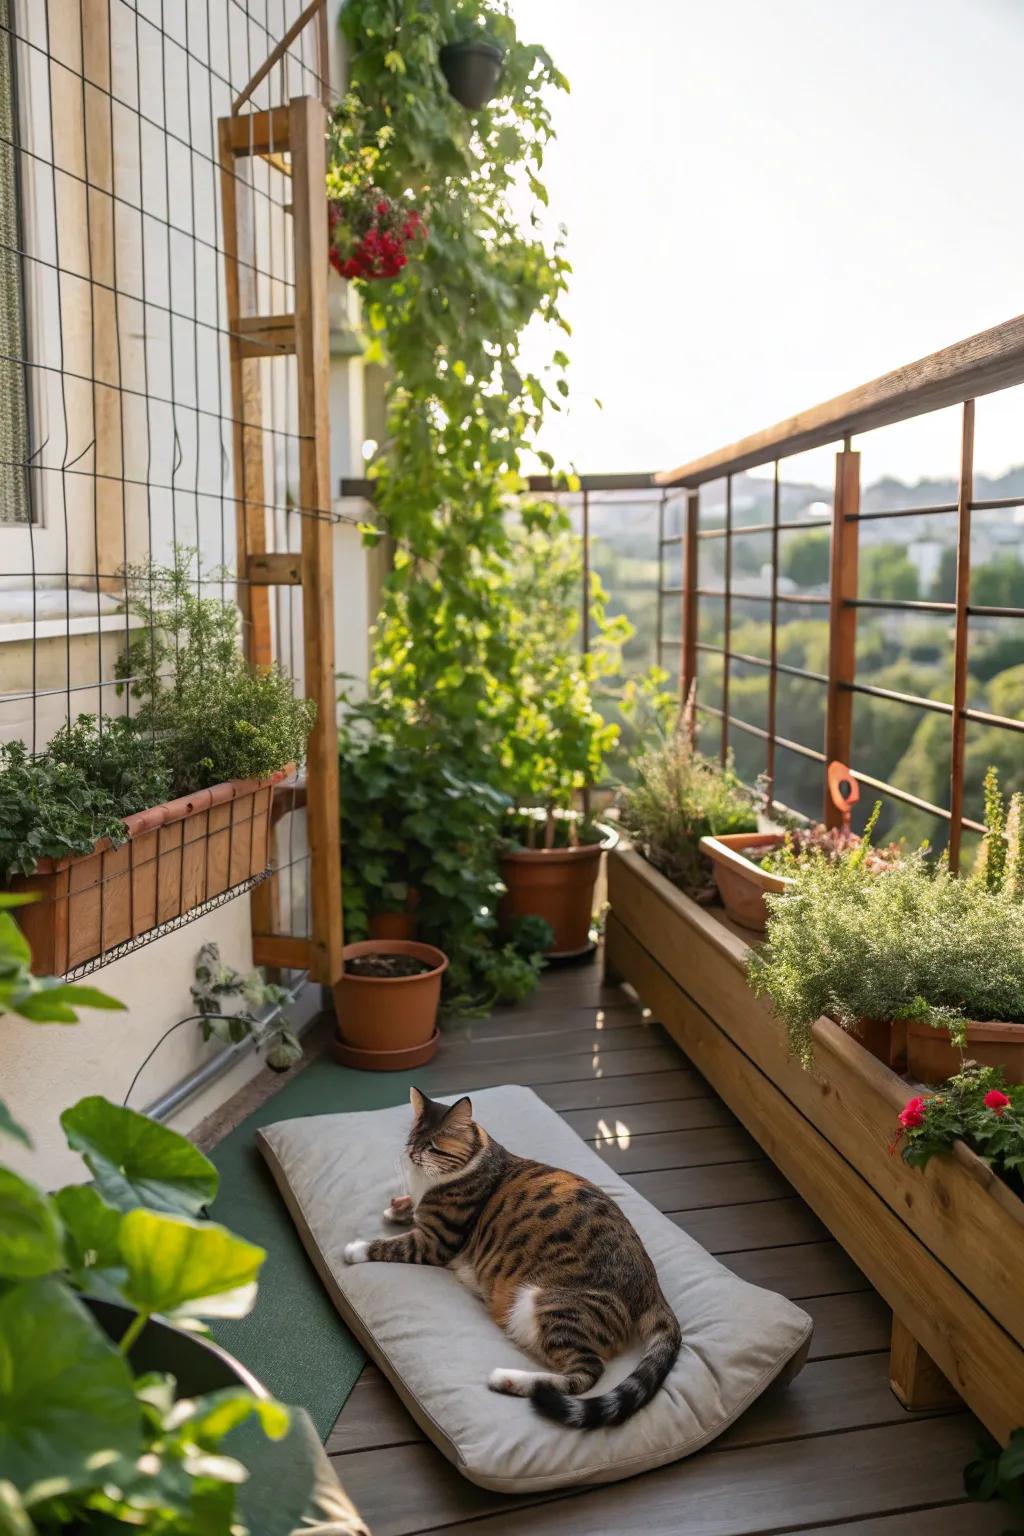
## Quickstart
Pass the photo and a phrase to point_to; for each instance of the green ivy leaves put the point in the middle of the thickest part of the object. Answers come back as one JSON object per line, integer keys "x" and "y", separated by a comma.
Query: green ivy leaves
{"x": 135, "y": 1161}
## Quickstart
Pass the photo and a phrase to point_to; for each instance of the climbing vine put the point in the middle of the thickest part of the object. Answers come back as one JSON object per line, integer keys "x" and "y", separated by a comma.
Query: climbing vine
{"x": 477, "y": 655}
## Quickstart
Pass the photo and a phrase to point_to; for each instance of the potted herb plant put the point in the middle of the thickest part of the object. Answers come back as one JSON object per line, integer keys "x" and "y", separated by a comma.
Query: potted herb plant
{"x": 121, "y": 825}
{"x": 750, "y": 865}
{"x": 677, "y": 800}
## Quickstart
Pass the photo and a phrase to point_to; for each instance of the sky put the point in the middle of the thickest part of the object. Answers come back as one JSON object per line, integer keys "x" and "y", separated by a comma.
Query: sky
{"x": 771, "y": 203}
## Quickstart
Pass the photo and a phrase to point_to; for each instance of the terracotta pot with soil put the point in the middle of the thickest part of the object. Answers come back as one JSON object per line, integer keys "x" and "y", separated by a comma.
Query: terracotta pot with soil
{"x": 386, "y": 1003}
{"x": 397, "y": 925}
{"x": 175, "y": 857}
{"x": 742, "y": 883}
{"x": 556, "y": 884}
{"x": 932, "y": 1057}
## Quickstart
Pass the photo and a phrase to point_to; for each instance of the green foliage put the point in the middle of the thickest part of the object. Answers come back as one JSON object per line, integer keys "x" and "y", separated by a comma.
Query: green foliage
{"x": 41, "y": 999}
{"x": 50, "y": 809}
{"x": 910, "y": 942}
{"x": 887, "y": 573}
{"x": 217, "y": 983}
{"x": 806, "y": 558}
{"x": 997, "y": 1472}
{"x": 211, "y": 715}
{"x": 932, "y": 1123}
{"x": 676, "y": 798}
{"x": 82, "y": 1444}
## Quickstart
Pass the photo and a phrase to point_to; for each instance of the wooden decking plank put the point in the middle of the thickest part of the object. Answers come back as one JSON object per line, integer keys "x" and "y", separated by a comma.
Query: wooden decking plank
{"x": 670, "y": 1150}
{"x": 554, "y": 1018}
{"x": 856, "y": 1323}
{"x": 799, "y": 1270}
{"x": 467, "y": 1049}
{"x": 648, "y": 1119}
{"x": 962, "y": 1519}
{"x": 463, "y": 1077}
{"x": 828, "y": 1395}
{"x": 764, "y": 1224}
{"x": 636, "y": 1087}
{"x": 687, "y": 1189}
{"x": 746, "y": 1491}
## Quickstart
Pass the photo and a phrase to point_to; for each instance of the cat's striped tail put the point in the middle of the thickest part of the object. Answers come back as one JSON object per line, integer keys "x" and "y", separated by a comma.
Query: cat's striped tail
{"x": 615, "y": 1407}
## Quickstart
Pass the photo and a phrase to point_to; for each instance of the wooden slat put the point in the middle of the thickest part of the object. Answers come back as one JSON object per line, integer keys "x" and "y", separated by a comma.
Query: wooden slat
{"x": 963, "y": 1519}
{"x": 316, "y": 8}
{"x": 553, "y": 1019}
{"x": 308, "y": 128}
{"x": 556, "y": 1069}
{"x": 842, "y": 624}
{"x": 688, "y": 1189}
{"x": 799, "y": 1270}
{"x": 672, "y": 1150}
{"x": 274, "y": 570}
{"x": 639, "y": 1087}
{"x": 724, "y": 1230}
{"x": 258, "y": 133}
{"x": 264, "y": 335}
{"x": 854, "y": 1323}
{"x": 690, "y": 548}
{"x": 625, "y": 1126}
{"x": 965, "y": 496}
{"x": 741, "y": 1492}
{"x": 285, "y": 950}
{"x": 978, "y": 1356}
{"x": 991, "y": 360}
{"x": 966, "y": 1215}
{"x": 459, "y": 1049}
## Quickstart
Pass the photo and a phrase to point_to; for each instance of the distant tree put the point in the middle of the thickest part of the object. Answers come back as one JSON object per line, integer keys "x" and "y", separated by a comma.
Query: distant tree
{"x": 943, "y": 589}
{"x": 1006, "y": 693}
{"x": 805, "y": 557}
{"x": 885, "y": 572}
{"x": 999, "y": 583}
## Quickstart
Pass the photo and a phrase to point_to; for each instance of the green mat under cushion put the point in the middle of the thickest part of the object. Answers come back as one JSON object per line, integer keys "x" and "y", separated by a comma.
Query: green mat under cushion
{"x": 293, "y": 1340}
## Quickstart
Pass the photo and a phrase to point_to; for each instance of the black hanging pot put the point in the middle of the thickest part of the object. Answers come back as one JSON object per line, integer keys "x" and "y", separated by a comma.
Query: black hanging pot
{"x": 472, "y": 68}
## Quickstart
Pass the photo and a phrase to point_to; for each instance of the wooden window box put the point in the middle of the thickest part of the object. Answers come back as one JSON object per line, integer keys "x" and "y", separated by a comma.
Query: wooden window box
{"x": 176, "y": 857}
{"x": 943, "y": 1246}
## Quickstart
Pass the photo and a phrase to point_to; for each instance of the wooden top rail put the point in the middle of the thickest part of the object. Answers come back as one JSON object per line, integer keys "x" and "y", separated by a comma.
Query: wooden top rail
{"x": 990, "y": 361}
{"x": 643, "y": 480}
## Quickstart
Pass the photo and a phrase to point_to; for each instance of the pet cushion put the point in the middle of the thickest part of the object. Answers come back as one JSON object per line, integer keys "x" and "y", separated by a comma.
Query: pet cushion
{"x": 437, "y": 1344}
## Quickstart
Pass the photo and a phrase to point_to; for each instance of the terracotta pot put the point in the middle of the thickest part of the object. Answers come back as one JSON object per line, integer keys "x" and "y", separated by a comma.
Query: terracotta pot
{"x": 556, "y": 884}
{"x": 397, "y": 925}
{"x": 741, "y": 882}
{"x": 388, "y": 1023}
{"x": 932, "y": 1057}
{"x": 175, "y": 857}
{"x": 883, "y": 1038}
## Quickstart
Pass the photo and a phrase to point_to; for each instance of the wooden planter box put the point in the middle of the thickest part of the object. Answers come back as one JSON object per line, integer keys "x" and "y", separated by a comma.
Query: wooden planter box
{"x": 175, "y": 857}
{"x": 944, "y": 1246}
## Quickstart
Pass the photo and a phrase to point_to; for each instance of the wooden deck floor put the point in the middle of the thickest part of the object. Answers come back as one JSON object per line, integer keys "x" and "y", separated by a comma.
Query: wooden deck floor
{"x": 834, "y": 1452}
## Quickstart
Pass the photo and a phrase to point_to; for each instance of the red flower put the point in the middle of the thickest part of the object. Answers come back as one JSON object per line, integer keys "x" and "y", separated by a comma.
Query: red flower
{"x": 912, "y": 1114}
{"x": 997, "y": 1101}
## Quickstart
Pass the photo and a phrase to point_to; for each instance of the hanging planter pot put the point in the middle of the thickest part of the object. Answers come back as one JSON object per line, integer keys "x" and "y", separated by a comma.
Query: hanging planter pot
{"x": 472, "y": 68}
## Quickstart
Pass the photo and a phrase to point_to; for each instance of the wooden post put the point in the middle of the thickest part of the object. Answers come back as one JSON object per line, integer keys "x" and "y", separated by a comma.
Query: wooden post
{"x": 727, "y": 619}
{"x": 308, "y": 127}
{"x": 960, "y": 633}
{"x": 842, "y": 650}
{"x": 773, "y": 653}
{"x": 688, "y": 663}
{"x": 913, "y": 1375}
{"x": 247, "y": 404}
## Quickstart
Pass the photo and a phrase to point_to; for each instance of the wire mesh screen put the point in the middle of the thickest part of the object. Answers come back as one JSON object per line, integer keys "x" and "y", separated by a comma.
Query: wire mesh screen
{"x": 121, "y": 432}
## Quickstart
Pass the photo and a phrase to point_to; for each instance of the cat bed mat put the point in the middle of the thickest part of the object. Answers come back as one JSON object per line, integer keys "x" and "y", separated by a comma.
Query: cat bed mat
{"x": 437, "y": 1344}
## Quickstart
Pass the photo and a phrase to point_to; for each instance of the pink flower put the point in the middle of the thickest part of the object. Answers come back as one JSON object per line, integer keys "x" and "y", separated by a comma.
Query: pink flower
{"x": 912, "y": 1114}
{"x": 997, "y": 1101}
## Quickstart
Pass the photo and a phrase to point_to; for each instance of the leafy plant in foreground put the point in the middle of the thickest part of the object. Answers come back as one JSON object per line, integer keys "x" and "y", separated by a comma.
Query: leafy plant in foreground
{"x": 997, "y": 1472}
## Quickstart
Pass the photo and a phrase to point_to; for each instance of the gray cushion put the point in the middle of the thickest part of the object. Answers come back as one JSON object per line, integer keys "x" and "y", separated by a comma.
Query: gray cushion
{"x": 437, "y": 1344}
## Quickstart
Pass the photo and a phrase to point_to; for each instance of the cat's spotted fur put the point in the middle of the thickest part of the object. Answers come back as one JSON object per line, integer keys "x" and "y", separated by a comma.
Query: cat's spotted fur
{"x": 553, "y": 1258}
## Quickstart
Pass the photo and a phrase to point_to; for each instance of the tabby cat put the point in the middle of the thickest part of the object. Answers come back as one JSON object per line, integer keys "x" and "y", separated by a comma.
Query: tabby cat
{"x": 553, "y": 1258}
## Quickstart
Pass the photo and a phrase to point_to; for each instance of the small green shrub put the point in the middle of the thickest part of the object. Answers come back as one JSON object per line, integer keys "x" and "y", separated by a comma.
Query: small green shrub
{"x": 911, "y": 942}
{"x": 677, "y": 797}
{"x": 211, "y": 715}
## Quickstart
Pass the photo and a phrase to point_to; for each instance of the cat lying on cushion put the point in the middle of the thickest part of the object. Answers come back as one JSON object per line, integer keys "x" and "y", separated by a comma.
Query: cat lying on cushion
{"x": 555, "y": 1261}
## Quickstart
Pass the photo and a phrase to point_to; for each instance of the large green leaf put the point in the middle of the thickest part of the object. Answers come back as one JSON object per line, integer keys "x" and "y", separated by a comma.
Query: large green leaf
{"x": 208, "y": 1419}
{"x": 49, "y": 1000}
{"x": 91, "y": 1248}
{"x": 67, "y": 1409}
{"x": 137, "y": 1162}
{"x": 193, "y": 1267}
{"x": 11, "y": 1127}
{"x": 30, "y": 1234}
{"x": 13, "y": 1519}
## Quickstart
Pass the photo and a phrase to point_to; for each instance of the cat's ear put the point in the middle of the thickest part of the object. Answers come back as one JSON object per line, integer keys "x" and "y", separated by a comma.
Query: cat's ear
{"x": 418, "y": 1101}
{"x": 460, "y": 1115}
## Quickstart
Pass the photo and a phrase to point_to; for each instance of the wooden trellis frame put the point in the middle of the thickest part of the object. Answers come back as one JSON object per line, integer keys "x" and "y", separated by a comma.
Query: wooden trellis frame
{"x": 292, "y": 138}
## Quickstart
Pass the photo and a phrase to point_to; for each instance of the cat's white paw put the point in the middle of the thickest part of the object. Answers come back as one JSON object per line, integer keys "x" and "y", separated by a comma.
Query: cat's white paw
{"x": 355, "y": 1253}
{"x": 400, "y": 1210}
{"x": 515, "y": 1383}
